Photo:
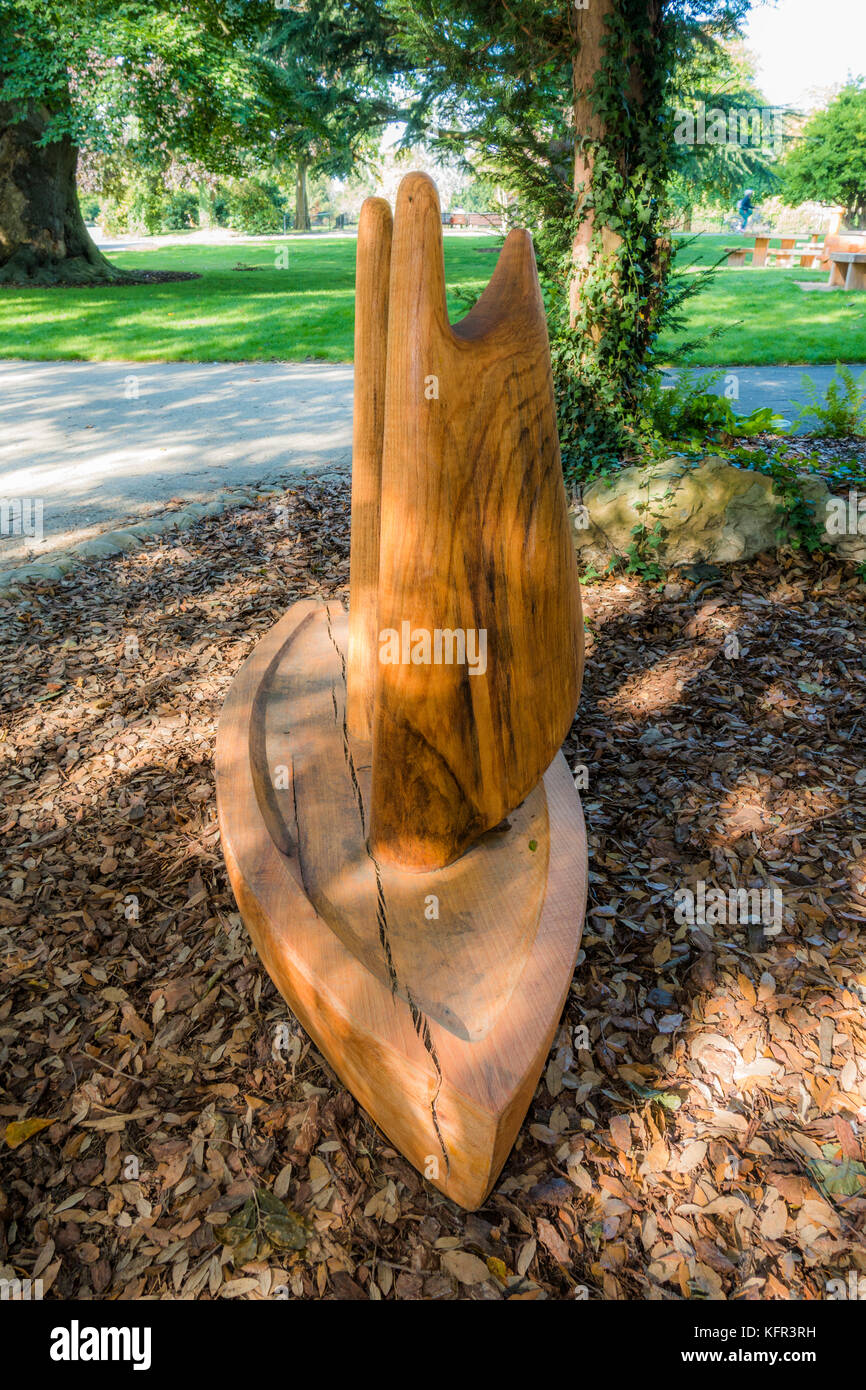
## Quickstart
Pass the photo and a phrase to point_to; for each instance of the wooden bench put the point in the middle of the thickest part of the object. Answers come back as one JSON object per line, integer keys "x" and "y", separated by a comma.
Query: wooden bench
{"x": 736, "y": 255}
{"x": 841, "y": 241}
{"x": 764, "y": 254}
{"x": 854, "y": 277}
{"x": 409, "y": 854}
{"x": 762, "y": 247}
{"x": 810, "y": 252}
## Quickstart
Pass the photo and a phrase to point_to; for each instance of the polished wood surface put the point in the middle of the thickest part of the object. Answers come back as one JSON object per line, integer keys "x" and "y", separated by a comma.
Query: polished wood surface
{"x": 402, "y": 835}
{"x": 372, "y": 275}
{"x": 452, "y": 1103}
{"x": 453, "y": 941}
{"x": 474, "y": 536}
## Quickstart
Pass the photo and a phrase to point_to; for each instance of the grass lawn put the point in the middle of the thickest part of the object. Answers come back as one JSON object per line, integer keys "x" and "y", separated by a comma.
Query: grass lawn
{"x": 765, "y": 316}
{"x": 267, "y": 314}
{"x": 306, "y": 310}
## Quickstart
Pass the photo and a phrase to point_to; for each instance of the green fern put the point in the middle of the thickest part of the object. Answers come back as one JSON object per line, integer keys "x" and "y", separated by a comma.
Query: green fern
{"x": 841, "y": 412}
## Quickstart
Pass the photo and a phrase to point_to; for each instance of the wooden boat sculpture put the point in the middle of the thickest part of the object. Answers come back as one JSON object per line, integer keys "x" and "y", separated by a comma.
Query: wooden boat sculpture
{"x": 401, "y": 831}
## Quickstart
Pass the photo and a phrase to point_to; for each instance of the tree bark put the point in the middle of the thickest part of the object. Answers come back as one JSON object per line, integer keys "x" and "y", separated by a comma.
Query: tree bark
{"x": 590, "y": 27}
{"x": 43, "y": 239}
{"x": 589, "y": 30}
{"x": 302, "y": 211}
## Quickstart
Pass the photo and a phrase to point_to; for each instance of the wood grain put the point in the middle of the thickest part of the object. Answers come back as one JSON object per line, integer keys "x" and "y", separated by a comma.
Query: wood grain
{"x": 373, "y": 266}
{"x": 452, "y": 941}
{"x": 404, "y": 840}
{"x": 453, "y": 1105}
{"x": 474, "y": 535}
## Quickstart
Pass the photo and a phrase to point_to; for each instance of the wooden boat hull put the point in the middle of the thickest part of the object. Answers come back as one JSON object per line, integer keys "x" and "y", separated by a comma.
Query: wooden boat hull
{"x": 439, "y": 1027}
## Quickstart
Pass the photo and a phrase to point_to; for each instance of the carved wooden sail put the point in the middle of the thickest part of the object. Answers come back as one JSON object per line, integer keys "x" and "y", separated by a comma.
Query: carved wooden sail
{"x": 372, "y": 274}
{"x": 474, "y": 541}
{"x": 403, "y": 838}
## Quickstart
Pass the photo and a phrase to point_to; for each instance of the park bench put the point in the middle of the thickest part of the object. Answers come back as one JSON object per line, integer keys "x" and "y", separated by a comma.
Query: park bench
{"x": 783, "y": 256}
{"x": 736, "y": 255}
{"x": 762, "y": 247}
{"x": 764, "y": 254}
{"x": 810, "y": 252}
{"x": 854, "y": 275}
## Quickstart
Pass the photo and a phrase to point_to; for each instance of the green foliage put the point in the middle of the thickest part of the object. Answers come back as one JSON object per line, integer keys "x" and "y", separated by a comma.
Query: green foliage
{"x": 181, "y": 211}
{"x": 141, "y": 203}
{"x": 686, "y": 411}
{"x": 498, "y": 90}
{"x": 719, "y": 77}
{"x": 89, "y": 204}
{"x": 262, "y": 1226}
{"x": 254, "y": 206}
{"x": 799, "y": 526}
{"x": 113, "y": 71}
{"x": 841, "y": 412}
{"x": 640, "y": 553}
{"x": 828, "y": 164}
{"x": 340, "y": 60}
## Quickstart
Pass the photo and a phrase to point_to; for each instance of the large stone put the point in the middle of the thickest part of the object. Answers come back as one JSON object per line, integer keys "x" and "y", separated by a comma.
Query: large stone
{"x": 712, "y": 511}
{"x": 99, "y": 547}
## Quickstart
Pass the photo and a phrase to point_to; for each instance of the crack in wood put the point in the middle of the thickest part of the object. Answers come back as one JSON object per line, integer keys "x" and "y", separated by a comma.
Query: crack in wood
{"x": 420, "y": 1022}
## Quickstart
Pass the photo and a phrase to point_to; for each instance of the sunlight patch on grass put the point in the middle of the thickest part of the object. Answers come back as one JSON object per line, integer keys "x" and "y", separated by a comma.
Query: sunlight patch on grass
{"x": 306, "y": 311}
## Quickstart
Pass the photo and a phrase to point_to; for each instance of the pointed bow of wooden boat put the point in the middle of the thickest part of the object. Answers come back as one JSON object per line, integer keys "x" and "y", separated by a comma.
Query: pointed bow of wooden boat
{"x": 434, "y": 996}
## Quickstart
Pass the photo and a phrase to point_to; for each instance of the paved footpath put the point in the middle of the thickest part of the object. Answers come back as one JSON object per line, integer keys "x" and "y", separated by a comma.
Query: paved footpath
{"x": 102, "y": 443}
{"x": 779, "y": 387}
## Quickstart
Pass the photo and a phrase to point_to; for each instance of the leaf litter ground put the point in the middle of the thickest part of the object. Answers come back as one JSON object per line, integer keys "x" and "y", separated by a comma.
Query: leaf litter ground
{"x": 168, "y": 1131}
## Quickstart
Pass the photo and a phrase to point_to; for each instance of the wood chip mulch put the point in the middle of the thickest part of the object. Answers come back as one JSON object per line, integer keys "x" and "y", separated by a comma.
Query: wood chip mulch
{"x": 168, "y": 1131}
{"x": 835, "y": 460}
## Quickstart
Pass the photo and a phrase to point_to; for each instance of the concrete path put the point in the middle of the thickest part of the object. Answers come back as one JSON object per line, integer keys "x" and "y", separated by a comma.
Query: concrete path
{"x": 104, "y": 443}
{"x": 779, "y": 387}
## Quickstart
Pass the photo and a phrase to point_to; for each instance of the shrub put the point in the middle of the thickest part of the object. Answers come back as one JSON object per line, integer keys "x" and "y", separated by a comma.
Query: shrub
{"x": 254, "y": 207}
{"x": 180, "y": 211}
{"x": 89, "y": 205}
{"x": 686, "y": 410}
{"x": 842, "y": 410}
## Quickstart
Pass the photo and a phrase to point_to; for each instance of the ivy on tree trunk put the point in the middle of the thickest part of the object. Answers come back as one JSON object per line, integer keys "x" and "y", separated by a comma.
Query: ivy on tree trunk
{"x": 617, "y": 257}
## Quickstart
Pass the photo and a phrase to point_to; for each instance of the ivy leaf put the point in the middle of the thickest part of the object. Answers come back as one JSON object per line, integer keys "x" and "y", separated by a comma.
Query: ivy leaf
{"x": 285, "y": 1231}
{"x": 843, "y": 1179}
{"x": 668, "y": 1099}
{"x": 239, "y": 1227}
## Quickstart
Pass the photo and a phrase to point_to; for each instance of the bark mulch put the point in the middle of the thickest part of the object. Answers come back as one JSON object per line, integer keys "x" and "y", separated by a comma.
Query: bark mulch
{"x": 136, "y": 277}
{"x": 168, "y": 1131}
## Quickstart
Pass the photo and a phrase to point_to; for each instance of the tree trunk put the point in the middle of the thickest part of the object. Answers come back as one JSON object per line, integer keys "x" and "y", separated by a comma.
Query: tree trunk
{"x": 205, "y": 205}
{"x": 620, "y": 53}
{"x": 589, "y": 27}
{"x": 302, "y": 211}
{"x": 43, "y": 239}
